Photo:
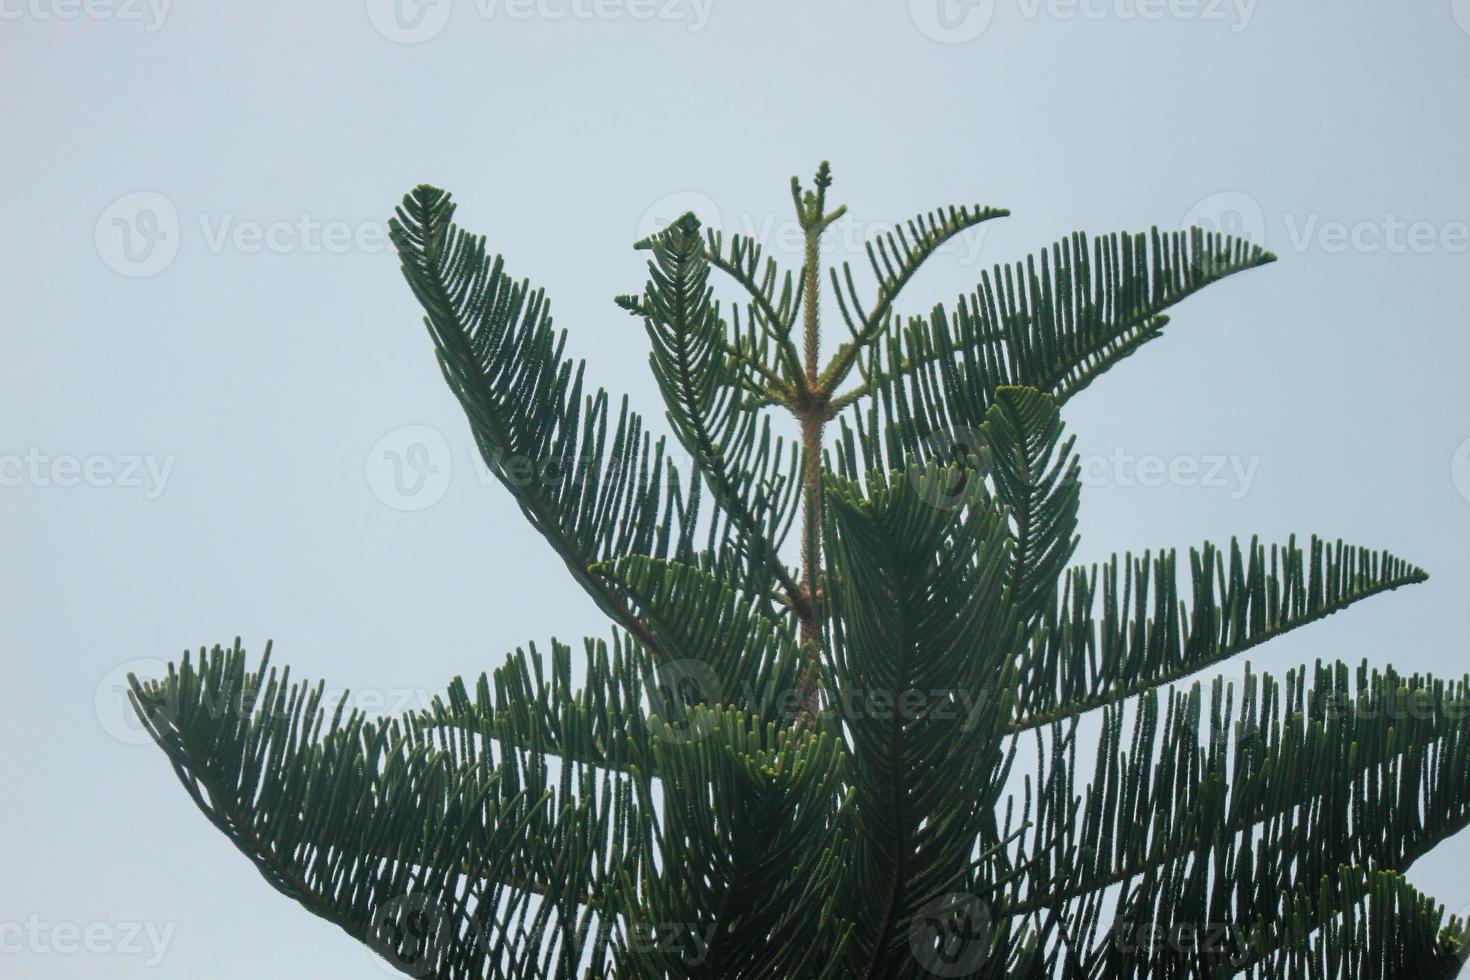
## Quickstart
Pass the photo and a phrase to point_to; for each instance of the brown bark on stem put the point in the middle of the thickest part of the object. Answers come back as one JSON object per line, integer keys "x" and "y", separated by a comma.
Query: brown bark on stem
{"x": 813, "y": 416}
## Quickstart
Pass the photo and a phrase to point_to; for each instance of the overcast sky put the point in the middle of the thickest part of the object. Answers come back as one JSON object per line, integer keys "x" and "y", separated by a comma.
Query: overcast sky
{"x": 209, "y": 365}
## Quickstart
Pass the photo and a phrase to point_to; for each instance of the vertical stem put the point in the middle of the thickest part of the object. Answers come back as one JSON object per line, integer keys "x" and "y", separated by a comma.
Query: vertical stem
{"x": 813, "y": 416}
{"x": 813, "y": 331}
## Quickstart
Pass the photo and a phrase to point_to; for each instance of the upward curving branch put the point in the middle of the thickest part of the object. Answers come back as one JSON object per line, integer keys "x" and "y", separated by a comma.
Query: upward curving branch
{"x": 594, "y": 487}
{"x": 895, "y": 258}
{"x": 1102, "y": 647}
{"x": 732, "y": 445}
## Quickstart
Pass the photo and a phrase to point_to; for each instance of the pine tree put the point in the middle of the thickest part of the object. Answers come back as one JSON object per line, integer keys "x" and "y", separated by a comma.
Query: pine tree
{"x": 816, "y": 771}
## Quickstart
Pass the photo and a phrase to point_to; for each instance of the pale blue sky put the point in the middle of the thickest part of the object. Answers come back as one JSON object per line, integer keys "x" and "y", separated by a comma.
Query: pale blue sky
{"x": 195, "y": 440}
